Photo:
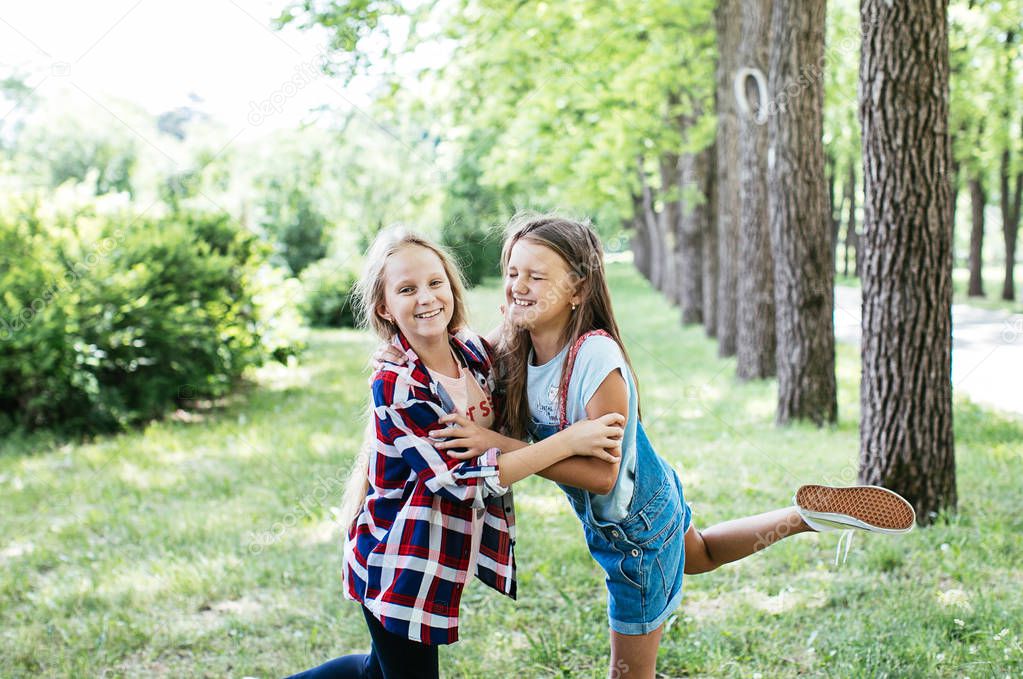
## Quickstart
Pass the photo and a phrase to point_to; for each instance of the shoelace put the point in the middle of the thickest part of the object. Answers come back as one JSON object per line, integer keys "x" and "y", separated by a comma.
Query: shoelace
{"x": 847, "y": 537}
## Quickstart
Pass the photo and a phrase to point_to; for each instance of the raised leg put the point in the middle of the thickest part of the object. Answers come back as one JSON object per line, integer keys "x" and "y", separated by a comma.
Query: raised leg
{"x": 736, "y": 539}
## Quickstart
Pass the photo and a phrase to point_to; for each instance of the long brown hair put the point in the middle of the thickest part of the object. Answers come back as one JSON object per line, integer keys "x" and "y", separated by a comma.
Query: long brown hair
{"x": 578, "y": 244}
{"x": 369, "y": 295}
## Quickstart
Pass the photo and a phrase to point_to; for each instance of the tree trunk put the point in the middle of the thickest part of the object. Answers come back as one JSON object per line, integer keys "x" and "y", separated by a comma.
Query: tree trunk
{"x": 852, "y": 237}
{"x": 804, "y": 267}
{"x": 834, "y": 212}
{"x": 640, "y": 241}
{"x": 755, "y": 333}
{"x": 709, "y": 260}
{"x": 1010, "y": 224}
{"x": 689, "y": 238}
{"x": 1010, "y": 199}
{"x": 906, "y": 390}
{"x": 955, "y": 194}
{"x": 655, "y": 239}
{"x": 728, "y": 19}
{"x": 670, "y": 218}
{"x": 977, "y": 201}
{"x": 856, "y": 241}
{"x": 846, "y": 247}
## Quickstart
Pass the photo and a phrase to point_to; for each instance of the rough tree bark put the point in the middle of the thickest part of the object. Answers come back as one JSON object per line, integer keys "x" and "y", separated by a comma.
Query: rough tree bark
{"x": 852, "y": 236}
{"x": 755, "y": 332}
{"x": 978, "y": 198}
{"x": 906, "y": 390}
{"x": 639, "y": 242}
{"x": 669, "y": 219}
{"x": 954, "y": 184}
{"x": 655, "y": 238}
{"x": 727, "y": 18}
{"x": 804, "y": 270}
{"x": 689, "y": 237}
{"x": 709, "y": 260}
{"x": 1010, "y": 204}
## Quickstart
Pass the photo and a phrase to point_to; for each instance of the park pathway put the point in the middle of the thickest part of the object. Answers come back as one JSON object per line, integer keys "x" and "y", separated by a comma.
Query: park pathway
{"x": 987, "y": 349}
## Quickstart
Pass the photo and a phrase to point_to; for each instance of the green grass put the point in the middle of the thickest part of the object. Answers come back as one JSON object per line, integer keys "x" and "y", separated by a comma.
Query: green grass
{"x": 207, "y": 547}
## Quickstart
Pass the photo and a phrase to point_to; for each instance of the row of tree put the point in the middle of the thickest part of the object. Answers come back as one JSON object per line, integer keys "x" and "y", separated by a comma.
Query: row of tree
{"x": 718, "y": 135}
{"x": 986, "y": 123}
{"x": 769, "y": 281}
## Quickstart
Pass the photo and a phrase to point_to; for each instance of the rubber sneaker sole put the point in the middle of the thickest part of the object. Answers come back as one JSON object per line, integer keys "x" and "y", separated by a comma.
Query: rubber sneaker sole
{"x": 870, "y": 508}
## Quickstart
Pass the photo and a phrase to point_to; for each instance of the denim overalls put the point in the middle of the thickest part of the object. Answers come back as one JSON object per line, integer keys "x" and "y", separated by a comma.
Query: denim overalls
{"x": 644, "y": 554}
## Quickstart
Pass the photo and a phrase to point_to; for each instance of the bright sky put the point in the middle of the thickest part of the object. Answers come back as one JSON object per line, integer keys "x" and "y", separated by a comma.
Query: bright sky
{"x": 156, "y": 52}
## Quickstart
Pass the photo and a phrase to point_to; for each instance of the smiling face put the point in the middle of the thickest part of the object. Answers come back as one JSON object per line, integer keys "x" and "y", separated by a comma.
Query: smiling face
{"x": 417, "y": 294}
{"x": 539, "y": 287}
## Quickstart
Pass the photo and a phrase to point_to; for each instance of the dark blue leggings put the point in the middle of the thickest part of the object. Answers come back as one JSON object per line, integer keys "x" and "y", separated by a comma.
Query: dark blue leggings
{"x": 391, "y": 657}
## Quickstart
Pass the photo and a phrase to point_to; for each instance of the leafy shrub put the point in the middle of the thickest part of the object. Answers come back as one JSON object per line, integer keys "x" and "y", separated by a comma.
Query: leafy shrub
{"x": 327, "y": 289}
{"x": 474, "y": 212}
{"x": 294, "y": 223}
{"x": 476, "y": 246}
{"x": 107, "y": 321}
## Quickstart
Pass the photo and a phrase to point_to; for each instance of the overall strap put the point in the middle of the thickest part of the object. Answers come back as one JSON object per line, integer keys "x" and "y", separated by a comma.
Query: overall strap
{"x": 567, "y": 374}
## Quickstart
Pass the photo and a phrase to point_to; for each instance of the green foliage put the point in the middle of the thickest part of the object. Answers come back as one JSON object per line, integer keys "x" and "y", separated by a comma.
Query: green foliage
{"x": 841, "y": 75}
{"x": 58, "y": 148}
{"x": 472, "y": 214}
{"x": 303, "y": 237}
{"x": 327, "y": 287}
{"x": 477, "y": 248}
{"x": 289, "y": 214}
{"x": 296, "y": 227}
{"x": 555, "y": 101}
{"x": 348, "y": 22}
{"x": 594, "y": 87}
{"x": 319, "y": 193}
{"x": 986, "y": 61}
{"x": 107, "y": 321}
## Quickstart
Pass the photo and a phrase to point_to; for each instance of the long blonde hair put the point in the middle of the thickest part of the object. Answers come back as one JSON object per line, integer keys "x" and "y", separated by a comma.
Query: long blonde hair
{"x": 368, "y": 296}
{"x": 578, "y": 244}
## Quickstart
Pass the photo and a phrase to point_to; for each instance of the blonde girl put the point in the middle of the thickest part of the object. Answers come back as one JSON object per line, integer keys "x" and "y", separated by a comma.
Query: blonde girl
{"x": 426, "y": 518}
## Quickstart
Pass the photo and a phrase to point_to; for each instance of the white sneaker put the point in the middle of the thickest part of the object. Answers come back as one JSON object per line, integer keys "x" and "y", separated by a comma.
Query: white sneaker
{"x": 870, "y": 508}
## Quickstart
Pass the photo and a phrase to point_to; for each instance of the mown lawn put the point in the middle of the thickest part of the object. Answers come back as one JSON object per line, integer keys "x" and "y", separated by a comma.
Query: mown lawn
{"x": 205, "y": 546}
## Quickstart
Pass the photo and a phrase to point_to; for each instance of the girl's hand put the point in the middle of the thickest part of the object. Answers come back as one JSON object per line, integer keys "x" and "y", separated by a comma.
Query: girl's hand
{"x": 387, "y": 353}
{"x": 461, "y": 432}
{"x": 600, "y": 438}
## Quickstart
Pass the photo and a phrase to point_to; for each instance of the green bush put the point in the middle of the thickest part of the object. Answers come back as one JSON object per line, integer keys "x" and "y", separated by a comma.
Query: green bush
{"x": 474, "y": 213}
{"x": 106, "y": 322}
{"x": 476, "y": 246}
{"x": 327, "y": 293}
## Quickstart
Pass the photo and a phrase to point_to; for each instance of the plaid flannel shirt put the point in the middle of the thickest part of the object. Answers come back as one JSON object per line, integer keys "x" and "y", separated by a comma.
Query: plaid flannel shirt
{"x": 407, "y": 552}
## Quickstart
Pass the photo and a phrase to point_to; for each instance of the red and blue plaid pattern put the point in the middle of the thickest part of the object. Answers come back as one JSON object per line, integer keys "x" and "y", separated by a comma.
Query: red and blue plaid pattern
{"x": 407, "y": 553}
